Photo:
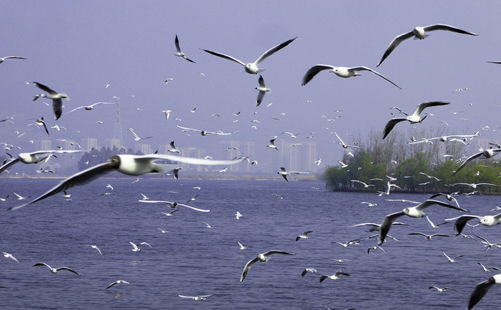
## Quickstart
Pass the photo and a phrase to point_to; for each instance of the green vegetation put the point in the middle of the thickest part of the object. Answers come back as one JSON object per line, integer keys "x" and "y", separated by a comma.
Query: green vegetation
{"x": 393, "y": 156}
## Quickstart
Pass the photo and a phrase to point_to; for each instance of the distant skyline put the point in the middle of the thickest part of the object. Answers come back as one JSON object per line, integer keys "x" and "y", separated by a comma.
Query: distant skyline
{"x": 123, "y": 51}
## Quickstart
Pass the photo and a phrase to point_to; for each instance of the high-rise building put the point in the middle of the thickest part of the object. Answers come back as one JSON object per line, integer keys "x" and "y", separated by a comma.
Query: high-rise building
{"x": 145, "y": 148}
{"x": 89, "y": 144}
{"x": 46, "y": 145}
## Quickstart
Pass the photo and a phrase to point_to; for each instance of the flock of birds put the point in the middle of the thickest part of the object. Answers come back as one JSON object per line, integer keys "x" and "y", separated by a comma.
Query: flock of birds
{"x": 137, "y": 165}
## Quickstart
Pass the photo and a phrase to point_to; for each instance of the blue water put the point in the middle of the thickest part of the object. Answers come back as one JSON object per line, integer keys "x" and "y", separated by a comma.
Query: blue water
{"x": 191, "y": 259}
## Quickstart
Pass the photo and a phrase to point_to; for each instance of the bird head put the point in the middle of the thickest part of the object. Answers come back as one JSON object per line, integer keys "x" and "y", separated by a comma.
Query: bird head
{"x": 114, "y": 161}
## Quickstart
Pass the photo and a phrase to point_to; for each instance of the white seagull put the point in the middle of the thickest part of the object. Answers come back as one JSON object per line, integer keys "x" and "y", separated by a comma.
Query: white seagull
{"x": 344, "y": 72}
{"x": 116, "y": 282}
{"x": 238, "y": 215}
{"x": 8, "y": 255}
{"x": 481, "y": 289}
{"x": 306, "y": 270}
{"x": 344, "y": 145}
{"x": 204, "y": 132}
{"x": 303, "y": 235}
{"x": 173, "y": 204}
{"x": 272, "y": 144}
{"x": 173, "y": 148}
{"x": 487, "y": 153}
{"x": 262, "y": 90}
{"x": 419, "y": 33}
{"x": 33, "y": 157}
{"x": 128, "y": 164}
{"x": 136, "y": 137}
{"x": 415, "y": 211}
{"x": 136, "y": 248}
{"x": 450, "y": 259}
{"x": 335, "y": 276}
{"x": 428, "y": 237}
{"x": 241, "y": 246}
{"x": 2, "y": 59}
{"x": 179, "y": 53}
{"x": 90, "y": 107}
{"x": 253, "y": 67}
{"x": 57, "y": 99}
{"x": 365, "y": 186}
{"x": 487, "y": 220}
{"x": 197, "y": 298}
{"x": 262, "y": 257}
{"x": 96, "y": 248}
{"x": 414, "y": 118}
{"x": 55, "y": 270}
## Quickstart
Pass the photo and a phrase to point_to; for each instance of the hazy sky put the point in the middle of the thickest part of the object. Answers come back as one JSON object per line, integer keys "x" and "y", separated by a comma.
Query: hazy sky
{"x": 77, "y": 47}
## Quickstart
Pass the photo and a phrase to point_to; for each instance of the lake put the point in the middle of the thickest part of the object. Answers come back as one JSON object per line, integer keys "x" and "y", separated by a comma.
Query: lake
{"x": 191, "y": 259}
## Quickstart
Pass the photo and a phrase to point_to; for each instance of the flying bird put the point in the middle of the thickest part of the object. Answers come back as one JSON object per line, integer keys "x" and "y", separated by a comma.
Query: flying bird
{"x": 303, "y": 235}
{"x": 197, "y": 298}
{"x": 96, "y": 248}
{"x": 56, "y": 97}
{"x": 2, "y": 59}
{"x": 419, "y": 33}
{"x": 9, "y": 255}
{"x": 344, "y": 145}
{"x": 415, "y": 211}
{"x": 487, "y": 220}
{"x": 55, "y": 270}
{"x": 90, "y": 107}
{"x": 335, "y": 276}
{"x": 414, "y": 118}
{"x": 179, "y": 53}
{"x": 428, "y": 237}
{"x": 262, "y": 89}
{"x": 33, "y": 157}
{"x": 204, "y": 132}
{"x": 253, "y": 67}
{"x": 116, "y": 282}
{"x": 133, "y": 165}
{"x": 452, "y": 259}
{"x": 272, "y": 144}
{"x": 136, "y": 137}
{"x": 481, "y": 289}
{"x": 174, "y": 204}
{"x": 487, "y": 153}
{"x": 344, "y": 72}
{"x": 262, "y": 257}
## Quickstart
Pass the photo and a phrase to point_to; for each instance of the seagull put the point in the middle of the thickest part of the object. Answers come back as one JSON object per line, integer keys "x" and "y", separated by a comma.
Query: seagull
{"x": 128, "y": 164}
{"x": 262, "y": 257}
{"x": 429, "y": 176}
{"x": 96, "y": 248}
{"x": 439, "y": 289}
{"x": 238, "y": 215}
{"x": 303, "y": 235}
{"x": 19, "y": 197}
{"x": 8, "y": 255}
{"x": 415, "y": 211}
{"x": 419, "y": 33}
{"x": 41, "y": 123}
{"x": 198, "y": 298}
{"x": 179, "y": 53}
{"x": 90, "y": 107}
{"x": 370, "y": 204}
{"x": 171, "y": 213}
{"x": 449, "y": 197}
{"x": 452, "y": 260}
{"x": 428, "y": 237}
{"x": 116, "y": 282}
{"x": 167, "y": 113}
{"x": 173, "y": 148}
{"x": 344, "y": 72}
{"x": 2, "y": 59}
{"x": 335, "y": 276}
{"x": 364, "y": 184}
{"x": 306, "y": 270}
{"x": 136, "y": 137}
{"x": 487, "y": 153}
{"x": 135, "y": 247}
{"x": 284, "y": 173}
{"x": 241, "y": 246}
{"x": 481, "y": 289}
{"x": 348, "y": 243}
{"x": 173, "y": 204}
{"x": 486, "y": 243}
{"x": 487, "y": 269}
{"x": 474, "y": 185}
{"x": 272, "y": 144}
{"x": 253, "y": 67}
{"x": 209, "y": 226}
{"x": 33, "y": 157}
{"x": 57, "y": 99}
{"x": 204, "y": 132}
{"x": 55, "y": 270}
{"x": 262, "y": 90}
{"x": 414, "y": 118}
{"x": 376, "y": 227}
{"x": 344, "y": 145}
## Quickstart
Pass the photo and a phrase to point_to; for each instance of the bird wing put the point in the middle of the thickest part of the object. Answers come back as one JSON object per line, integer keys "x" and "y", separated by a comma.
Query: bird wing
{"x": 45, "y": 88}
{"x": 191, "y": 160}
{"x": 425, "y": 105}
{"x": 193, "y": 208}
{"x": 386, "y": 225}
{"x": 133, "y": 133}
{"x": 417, "y": 234}
{"x": 393, "y": 44}
{"x": 339, "y": 138}
{"x": 188, "y": 129}
{"x": 68, "y": 269}
{"x": 448, "y": 28}
{"x": 112, "y": 284}
{"x": 226, "y": 57}
{"x": 362, "y": 68}
{"x": 310, "y": 74}
{"x": 42, "y": 264}
{"x": 77, "y": 108}
{"x": 480, "y": 290}
{"x": 247, "y": 268}
{"x": 260, "y": 96}
{"x": 277, "y": 252}
{"x": 57, "y": 107}
{"x": 79, "y": 178}
{"x": 430, "y": 202}
{"x": 461, "y": 222}
{"x": 273, "y": 50}
{"x": 8, "y": 164}
{"x": 13, "y": 57}
{"x": 342, "y": 273}
{"x": 391, "y": 123}
{"x": 176, "y": 41}
{"x": 466, "y": 161}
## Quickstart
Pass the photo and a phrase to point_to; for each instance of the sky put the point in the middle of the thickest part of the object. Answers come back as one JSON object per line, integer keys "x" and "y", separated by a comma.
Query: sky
{"x": 77, "y": 47}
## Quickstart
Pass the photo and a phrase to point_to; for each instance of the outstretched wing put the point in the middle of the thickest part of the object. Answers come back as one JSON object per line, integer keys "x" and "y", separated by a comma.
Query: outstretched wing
{"x": 45, "y": 88}
{"x": 391, "y": 123}
{"x": 8, "y": 164}
{"x": 425, "y": 105}
{"x": 247, "y": 268}
{"x": 430, "y": 202}
{"x": 480, "y": 290}
{"x": 393, "y": 44}
{"x": 176, "y": 41}
{"x": 226, "y": 57}
{"x": 191, "y": 160}
{"x": 310, "y": 74}
{"x": 79, "y": 178}
{"x": 362, "y": 68}
{"x": 273, "y": 50}
{"x": 57, "y": 107}
{"x": 68, "y": 269}
{"x": 448, "y": 28}
{"x": 466, "y": 161}
{"x": 386, "y": 225}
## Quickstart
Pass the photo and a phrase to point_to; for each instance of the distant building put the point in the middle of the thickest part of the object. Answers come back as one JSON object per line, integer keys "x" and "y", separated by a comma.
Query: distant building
{"x": 45, "y": 145}
{"x": 89, "y": 144}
